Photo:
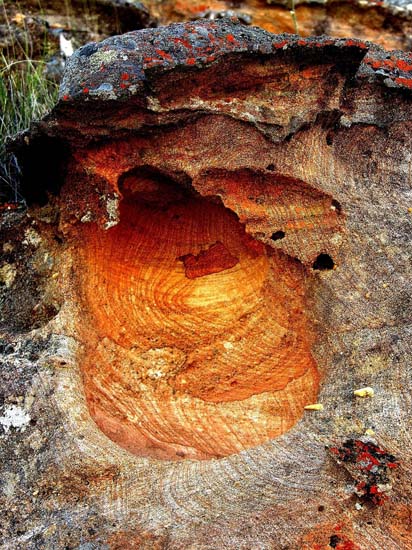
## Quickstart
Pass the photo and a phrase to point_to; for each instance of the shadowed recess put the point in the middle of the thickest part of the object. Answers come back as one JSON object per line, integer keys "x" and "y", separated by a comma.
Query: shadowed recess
{"x": 197, "y": 340}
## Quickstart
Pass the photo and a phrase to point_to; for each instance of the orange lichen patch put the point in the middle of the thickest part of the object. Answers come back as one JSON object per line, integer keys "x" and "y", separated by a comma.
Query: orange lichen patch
{"x": 196, "y": 342}
{"x": 270, "y": 203}
{"x": 404, "y": 65}
{"x": 404, "y": 82}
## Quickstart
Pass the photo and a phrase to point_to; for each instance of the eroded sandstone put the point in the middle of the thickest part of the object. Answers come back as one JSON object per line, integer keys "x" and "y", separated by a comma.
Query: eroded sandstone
{"x": 232, "y": 244}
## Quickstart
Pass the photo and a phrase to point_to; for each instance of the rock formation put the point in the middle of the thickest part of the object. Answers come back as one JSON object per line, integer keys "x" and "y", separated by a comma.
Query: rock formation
{"x": 36, "y": 28}
{"x": 387, "y": 23}
{"x": 218, "y": 235}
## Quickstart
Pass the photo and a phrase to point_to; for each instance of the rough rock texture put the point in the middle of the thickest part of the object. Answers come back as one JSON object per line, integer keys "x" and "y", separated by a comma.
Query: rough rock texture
{"x": 387, "y": 22}
{"x": 35, "y": 29}
{"x": 226, "y": 220}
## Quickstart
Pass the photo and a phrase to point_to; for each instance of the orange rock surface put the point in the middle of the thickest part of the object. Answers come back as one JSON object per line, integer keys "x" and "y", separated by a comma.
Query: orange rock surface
{"x": 197, "y": 340}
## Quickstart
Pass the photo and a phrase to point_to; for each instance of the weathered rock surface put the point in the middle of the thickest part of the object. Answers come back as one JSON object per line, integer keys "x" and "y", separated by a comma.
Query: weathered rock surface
{"x": 224, "y": 218}
{"x": 36, "y": 29}
{"x": 388, "y": 23}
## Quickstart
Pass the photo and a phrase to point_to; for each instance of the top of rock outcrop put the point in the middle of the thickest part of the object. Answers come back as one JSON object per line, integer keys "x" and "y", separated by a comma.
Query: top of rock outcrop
{"x": 156, "y": 77}
{"x": 123, "y": 66}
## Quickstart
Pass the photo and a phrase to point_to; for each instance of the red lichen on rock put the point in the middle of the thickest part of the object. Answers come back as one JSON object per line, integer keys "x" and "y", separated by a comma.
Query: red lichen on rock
{"x": 404, "y": 81}
{"x": 369, "y": 466}
{"x": 404, "y": 65}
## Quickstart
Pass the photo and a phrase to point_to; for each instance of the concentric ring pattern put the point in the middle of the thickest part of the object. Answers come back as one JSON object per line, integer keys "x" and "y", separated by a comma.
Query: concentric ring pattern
{"x": 197, "y": 342}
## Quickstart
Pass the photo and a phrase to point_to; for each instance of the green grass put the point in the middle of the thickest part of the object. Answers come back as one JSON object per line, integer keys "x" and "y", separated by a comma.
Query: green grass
{"x": 25, "y": 95}
{"x": 25, "y": 92}
{"x": 292, "y": 12}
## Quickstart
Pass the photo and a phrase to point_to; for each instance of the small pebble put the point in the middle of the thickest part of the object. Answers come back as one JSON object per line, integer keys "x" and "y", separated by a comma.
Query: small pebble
{"x": 314, "y": 407}
{"x": 364, "y": 392}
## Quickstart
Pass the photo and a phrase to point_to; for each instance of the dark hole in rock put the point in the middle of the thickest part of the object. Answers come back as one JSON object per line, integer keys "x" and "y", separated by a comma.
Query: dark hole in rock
{"x": 334, "y": 541}
{"x": 329, "y": 138}
{"x": 277, "y": 235}
{"x": 323, "y": 262}
{"x": 43, "y": 151}
{"x": 336, "y": 205}
{"x": 6, "y": 348}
